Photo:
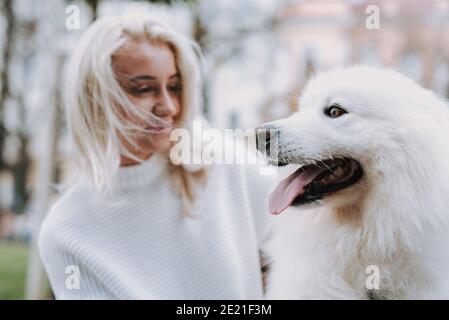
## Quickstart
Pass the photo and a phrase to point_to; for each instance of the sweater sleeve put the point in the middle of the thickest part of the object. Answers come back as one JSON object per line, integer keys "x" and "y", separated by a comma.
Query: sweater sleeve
{"x": 68, "y": 277}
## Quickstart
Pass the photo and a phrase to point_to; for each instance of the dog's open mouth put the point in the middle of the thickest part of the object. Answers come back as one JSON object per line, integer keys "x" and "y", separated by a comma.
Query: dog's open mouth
{"x": 313, "y": 182}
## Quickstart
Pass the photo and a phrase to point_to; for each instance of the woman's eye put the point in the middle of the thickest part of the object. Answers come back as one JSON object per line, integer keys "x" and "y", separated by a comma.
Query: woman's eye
{"x": 175, "y": 88}
{"x": 334, "y": 111}
{"x": 142, "y": 90}
{"x": 148, "y": 89}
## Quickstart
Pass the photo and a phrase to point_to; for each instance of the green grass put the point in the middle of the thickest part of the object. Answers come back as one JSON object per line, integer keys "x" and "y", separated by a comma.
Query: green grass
{"x": 13, "y": 264}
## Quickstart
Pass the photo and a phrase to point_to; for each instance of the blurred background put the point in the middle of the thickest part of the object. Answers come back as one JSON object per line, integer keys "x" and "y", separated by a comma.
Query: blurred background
{"x": 258, "y": 55}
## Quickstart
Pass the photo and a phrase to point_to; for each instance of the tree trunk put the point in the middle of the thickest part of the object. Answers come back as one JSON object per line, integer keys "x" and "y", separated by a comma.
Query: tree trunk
{"x": 36, "y": 285}
{"x": 199, "y": 33}
{"x": 8, "y": 14}
{"x": 93, "y": 4}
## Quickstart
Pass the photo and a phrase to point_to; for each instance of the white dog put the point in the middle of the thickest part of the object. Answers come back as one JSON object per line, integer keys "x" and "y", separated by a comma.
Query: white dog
{"x": 366, "y": 215}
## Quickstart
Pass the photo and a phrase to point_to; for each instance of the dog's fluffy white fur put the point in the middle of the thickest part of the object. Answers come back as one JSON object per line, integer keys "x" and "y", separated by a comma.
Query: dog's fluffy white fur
{"x": 395, "y": 218}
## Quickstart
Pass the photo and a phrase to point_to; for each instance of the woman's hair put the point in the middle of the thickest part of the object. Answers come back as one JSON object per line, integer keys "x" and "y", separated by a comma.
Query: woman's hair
{"x": 96, "y": 103}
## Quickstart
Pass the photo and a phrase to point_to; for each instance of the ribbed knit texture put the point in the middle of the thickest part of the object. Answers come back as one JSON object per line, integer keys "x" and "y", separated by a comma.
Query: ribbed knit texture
{"x": 136, "y": 244}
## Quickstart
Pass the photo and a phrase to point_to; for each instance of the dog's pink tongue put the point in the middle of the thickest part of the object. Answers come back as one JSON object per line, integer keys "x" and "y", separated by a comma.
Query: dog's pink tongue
{"x": 289, "y": 188}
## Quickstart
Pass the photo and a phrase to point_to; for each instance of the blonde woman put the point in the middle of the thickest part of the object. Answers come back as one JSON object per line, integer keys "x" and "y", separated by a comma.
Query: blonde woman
{"x": 134, "y": 225}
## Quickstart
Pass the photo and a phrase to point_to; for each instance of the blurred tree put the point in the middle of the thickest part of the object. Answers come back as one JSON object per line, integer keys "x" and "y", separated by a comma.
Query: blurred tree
{"x": 93, "y": 4}
{"x": 15, "y": 31}
{"x": 220, "y": 47}
{"x": 20, "y": 174}
{"x": 8, "y": 14}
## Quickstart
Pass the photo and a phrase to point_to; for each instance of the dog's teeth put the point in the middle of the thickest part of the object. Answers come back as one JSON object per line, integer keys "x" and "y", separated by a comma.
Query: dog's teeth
{"x": 335, "y": 174}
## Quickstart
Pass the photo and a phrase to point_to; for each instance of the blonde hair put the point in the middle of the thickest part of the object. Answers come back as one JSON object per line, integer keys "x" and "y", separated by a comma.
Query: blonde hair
{"x": 94, "y": 98}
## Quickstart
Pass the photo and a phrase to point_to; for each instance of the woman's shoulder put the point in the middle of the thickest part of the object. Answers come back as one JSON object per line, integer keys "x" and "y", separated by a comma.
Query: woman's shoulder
{"x": 73, "y": 200}
{"x": 67, "y": 211}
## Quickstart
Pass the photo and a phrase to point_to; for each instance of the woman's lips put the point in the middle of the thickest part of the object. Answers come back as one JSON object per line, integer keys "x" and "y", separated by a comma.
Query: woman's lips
{"x": 159, "y": 130}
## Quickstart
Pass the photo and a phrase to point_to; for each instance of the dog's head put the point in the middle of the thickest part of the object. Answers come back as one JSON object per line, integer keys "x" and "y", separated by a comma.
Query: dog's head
{"x": 355, "y": 129}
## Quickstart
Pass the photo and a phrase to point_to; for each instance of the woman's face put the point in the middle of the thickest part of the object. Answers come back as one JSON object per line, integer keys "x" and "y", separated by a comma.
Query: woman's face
{"x": 149, "y": 76}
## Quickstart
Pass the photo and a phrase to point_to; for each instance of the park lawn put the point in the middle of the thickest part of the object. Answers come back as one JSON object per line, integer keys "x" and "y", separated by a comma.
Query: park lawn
{"x": 13, "y": 264}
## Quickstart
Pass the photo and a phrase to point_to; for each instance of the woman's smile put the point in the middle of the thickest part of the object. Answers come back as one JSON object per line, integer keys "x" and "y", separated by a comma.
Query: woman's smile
{"x": 160, "y": 130}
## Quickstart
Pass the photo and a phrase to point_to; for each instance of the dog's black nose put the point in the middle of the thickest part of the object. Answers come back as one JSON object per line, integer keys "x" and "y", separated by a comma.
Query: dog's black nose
{"x": 264, "y": 135}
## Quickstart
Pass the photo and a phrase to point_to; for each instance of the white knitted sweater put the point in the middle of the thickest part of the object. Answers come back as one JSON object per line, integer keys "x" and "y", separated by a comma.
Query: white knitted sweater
{"x": 137, "y": 245}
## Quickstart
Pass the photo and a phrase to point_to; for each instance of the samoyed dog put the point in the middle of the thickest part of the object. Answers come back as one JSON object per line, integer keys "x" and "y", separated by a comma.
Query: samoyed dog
{"x": 364, "y": 213}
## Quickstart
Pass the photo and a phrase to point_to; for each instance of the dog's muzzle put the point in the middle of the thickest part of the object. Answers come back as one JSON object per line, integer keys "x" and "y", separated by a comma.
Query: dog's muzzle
{"x": 266, "y": 135}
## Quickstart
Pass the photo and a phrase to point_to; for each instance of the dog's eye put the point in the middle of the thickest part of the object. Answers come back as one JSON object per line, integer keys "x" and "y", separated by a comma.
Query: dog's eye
{"x": 334, "y": 111}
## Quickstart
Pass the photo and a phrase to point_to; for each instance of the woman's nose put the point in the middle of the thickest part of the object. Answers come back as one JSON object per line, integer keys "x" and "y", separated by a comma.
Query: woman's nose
{"x": 167, "y": 106}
